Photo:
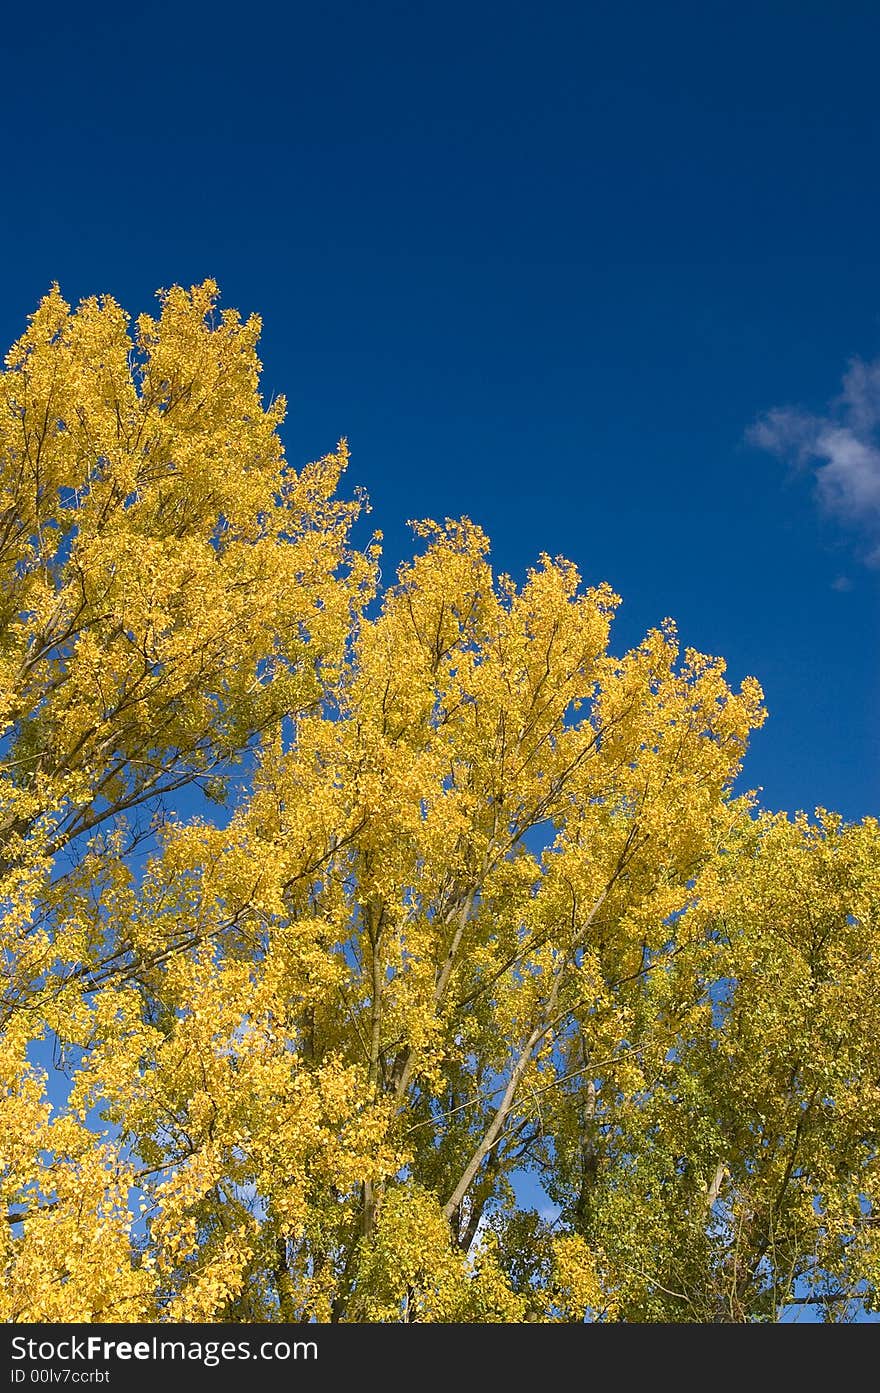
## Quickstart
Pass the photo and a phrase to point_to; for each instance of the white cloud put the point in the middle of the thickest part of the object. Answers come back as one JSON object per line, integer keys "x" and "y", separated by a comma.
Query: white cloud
{"x": 842, "y": 447}
{"x": 849, "y": 483}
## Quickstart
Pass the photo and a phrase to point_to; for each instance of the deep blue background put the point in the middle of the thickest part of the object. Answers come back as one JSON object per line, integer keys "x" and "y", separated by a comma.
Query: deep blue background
{"x": 542, "y": 265}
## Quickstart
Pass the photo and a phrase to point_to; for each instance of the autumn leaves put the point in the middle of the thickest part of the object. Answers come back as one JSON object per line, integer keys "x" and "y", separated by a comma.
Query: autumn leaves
{"x": 479, "y": 901}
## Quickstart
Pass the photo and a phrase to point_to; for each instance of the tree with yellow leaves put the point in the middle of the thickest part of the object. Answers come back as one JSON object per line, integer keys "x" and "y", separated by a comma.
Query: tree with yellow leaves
{"x": 477, "y": 902}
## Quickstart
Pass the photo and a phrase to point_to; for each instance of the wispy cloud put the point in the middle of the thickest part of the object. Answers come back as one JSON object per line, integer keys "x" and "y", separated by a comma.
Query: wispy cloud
{"x": 842, "y": 447}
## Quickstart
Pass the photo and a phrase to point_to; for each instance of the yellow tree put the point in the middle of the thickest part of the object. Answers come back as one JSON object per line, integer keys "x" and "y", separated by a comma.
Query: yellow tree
{"x": 483, "y": 906}
{"x": 170, "y": 589}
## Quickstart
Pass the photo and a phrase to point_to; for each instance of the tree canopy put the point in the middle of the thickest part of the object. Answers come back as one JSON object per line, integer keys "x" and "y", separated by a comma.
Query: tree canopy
{"x": 359, "y": 915}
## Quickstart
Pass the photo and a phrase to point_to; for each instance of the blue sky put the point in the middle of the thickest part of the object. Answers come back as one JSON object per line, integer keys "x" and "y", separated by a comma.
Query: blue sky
{"x": 592, "y": 274}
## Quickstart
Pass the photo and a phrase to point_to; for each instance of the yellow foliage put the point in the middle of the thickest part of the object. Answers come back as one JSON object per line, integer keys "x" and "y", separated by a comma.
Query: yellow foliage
{"x": 478, "y": 898}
